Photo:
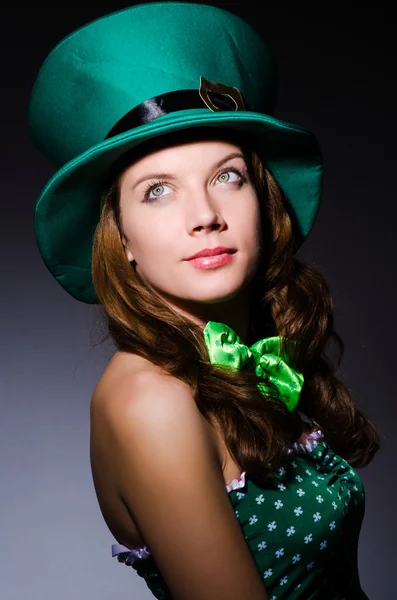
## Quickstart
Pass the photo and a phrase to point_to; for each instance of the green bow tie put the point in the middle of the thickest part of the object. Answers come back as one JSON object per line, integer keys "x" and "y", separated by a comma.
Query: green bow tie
{"x": 226, "y": 348}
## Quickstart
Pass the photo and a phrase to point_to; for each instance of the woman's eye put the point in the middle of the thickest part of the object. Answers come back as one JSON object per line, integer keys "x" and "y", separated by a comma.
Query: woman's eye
{"x": 226, "y": 177}
{"x": 156, "y": 191}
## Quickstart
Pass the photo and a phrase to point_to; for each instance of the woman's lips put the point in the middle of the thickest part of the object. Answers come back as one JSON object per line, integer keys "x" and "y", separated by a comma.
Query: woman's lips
{"x": 210, "y": 262}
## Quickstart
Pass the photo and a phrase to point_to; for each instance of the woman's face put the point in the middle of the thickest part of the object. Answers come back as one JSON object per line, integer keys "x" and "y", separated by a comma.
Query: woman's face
{"x": 179, "y": 200}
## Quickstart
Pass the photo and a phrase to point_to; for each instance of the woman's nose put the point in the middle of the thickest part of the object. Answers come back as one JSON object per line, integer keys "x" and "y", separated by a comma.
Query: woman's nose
{"x": 203, "y": 212}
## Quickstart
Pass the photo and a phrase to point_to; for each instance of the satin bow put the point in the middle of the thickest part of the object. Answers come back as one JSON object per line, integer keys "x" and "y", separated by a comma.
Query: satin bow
{"x": 225, "y": 348}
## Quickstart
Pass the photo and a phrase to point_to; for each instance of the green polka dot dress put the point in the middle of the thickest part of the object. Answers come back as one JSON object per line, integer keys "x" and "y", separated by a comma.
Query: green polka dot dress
{"x": 302, "y": 528}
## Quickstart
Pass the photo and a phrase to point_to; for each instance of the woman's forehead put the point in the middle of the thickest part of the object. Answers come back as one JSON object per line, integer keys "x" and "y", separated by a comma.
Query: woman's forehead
{"x": 219, "y": 140}
{"x": 194, "y": 154}
{"x": 193, "y": 135}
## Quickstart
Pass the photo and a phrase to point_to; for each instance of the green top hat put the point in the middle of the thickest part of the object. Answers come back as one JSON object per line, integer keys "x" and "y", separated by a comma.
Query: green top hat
{"x": 139, "y": 73}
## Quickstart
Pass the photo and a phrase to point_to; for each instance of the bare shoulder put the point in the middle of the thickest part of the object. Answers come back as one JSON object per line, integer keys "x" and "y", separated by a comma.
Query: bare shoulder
{"x": 170, "y": 479}
{"x": 131, "y": 384}
{"x": 121, "y": 366}
{"x": 133, "y": 392}
{"x": 131, "y": 388}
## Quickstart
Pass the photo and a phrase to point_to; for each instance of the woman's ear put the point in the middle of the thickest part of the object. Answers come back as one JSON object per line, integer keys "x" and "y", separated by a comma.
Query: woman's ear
{"x": 130, "y": 256}
{"x": 128, "y": 253}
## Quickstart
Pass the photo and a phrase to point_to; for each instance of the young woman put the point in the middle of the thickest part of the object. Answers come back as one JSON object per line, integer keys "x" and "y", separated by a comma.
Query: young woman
{"x": 223, "y": 447}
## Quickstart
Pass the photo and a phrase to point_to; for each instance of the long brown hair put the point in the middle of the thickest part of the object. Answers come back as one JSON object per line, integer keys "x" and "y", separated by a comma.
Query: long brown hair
{"x": 287, "y": 298}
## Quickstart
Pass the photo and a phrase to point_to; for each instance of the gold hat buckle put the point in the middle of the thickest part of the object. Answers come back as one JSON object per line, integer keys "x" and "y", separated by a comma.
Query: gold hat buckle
{"x": 226, "y": 91}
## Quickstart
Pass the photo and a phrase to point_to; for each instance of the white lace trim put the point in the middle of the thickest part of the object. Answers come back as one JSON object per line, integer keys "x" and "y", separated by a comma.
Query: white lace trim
{"x": 236, "y": 483}
{"x": 310, "y": 443}
{"x": 135, "y": 553}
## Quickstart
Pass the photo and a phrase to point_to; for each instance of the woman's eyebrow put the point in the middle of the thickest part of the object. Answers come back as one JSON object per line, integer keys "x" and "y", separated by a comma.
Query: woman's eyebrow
{"x": 171, "y": 176}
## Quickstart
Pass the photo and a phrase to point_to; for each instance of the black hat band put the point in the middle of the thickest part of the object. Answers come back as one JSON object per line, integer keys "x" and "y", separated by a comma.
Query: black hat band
{"x": 212, "y": 95}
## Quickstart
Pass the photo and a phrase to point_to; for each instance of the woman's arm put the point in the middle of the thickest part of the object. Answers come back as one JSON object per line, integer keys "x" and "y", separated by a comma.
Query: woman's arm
{"x": 171, "y": 481}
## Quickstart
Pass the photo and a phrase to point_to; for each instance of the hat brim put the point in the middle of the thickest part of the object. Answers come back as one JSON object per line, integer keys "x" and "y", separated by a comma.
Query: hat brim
{"x": 68, "y": 209}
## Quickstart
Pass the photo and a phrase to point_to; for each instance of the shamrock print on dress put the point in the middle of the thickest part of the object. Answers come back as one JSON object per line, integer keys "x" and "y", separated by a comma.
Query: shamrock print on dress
{"x": 302, "y": 526}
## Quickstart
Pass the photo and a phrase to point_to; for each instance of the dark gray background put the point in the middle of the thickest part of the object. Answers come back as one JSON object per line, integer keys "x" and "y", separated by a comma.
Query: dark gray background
{"x": 337, "y": 71}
